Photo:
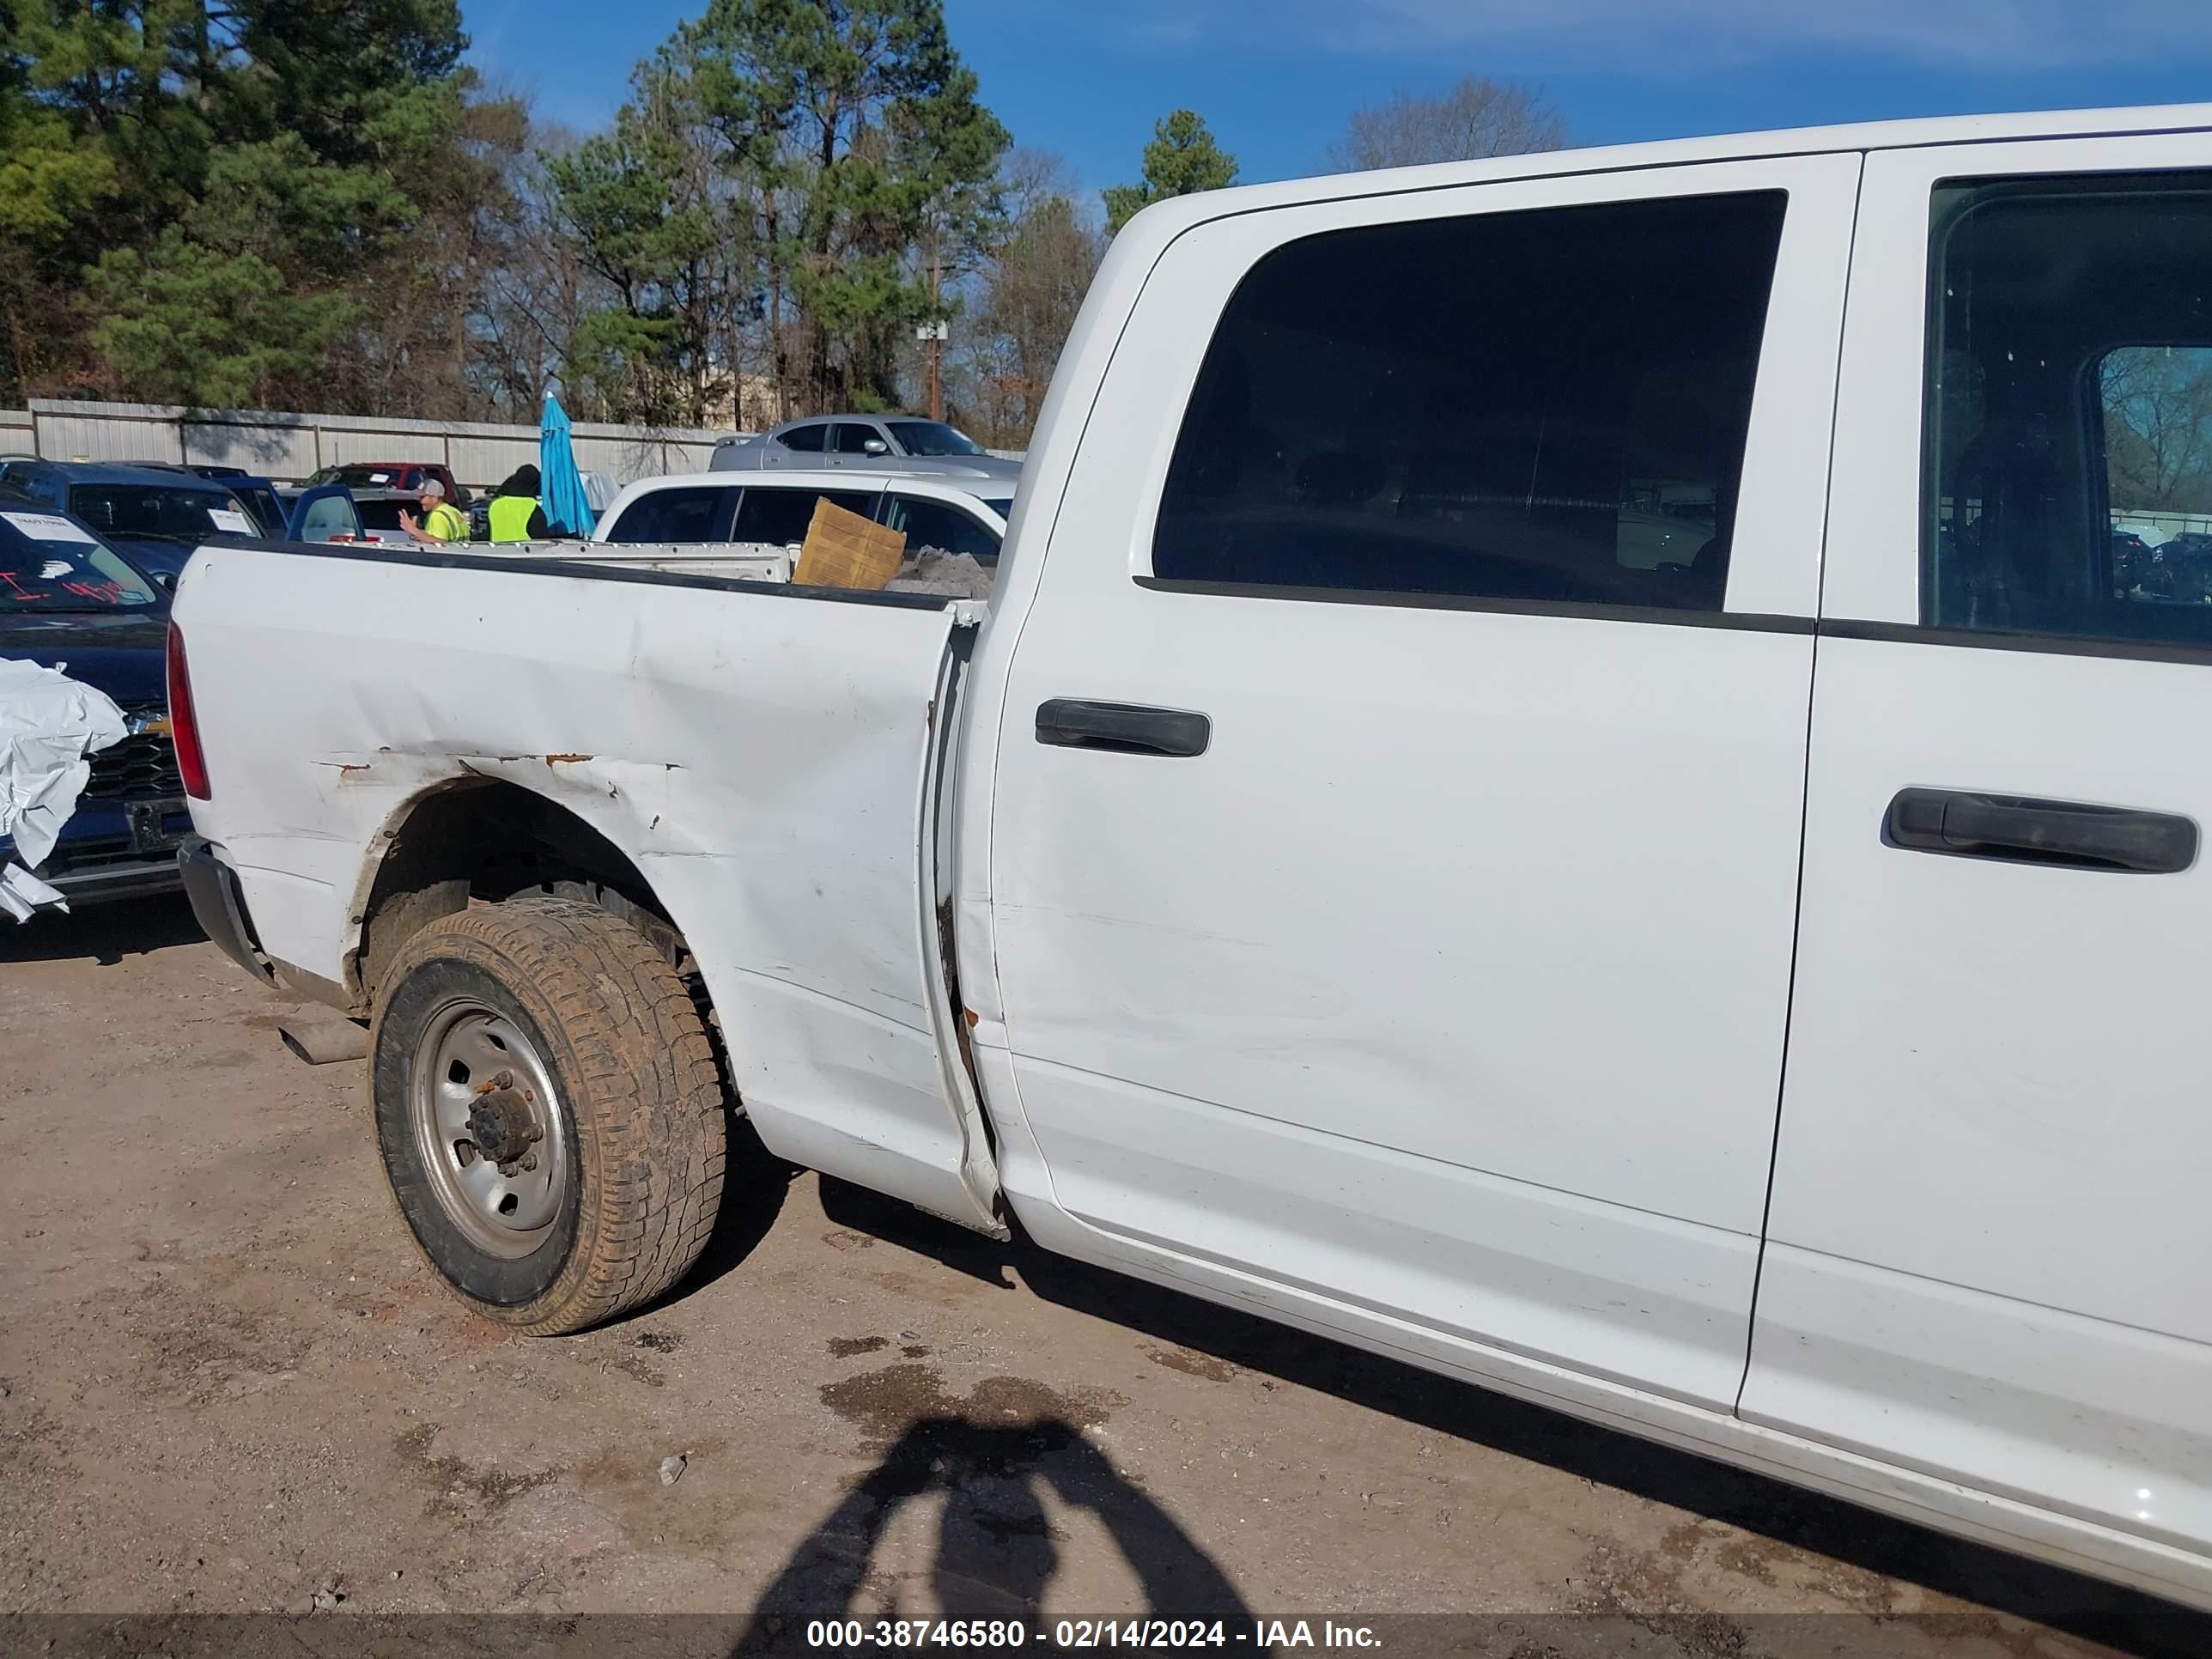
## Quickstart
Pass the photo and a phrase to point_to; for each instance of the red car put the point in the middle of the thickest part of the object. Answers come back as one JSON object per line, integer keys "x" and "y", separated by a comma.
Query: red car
{"x": 409, "y": 476}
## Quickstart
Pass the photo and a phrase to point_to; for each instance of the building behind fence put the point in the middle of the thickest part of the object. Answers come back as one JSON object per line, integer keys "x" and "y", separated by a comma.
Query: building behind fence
{"x": 289, "y": 447}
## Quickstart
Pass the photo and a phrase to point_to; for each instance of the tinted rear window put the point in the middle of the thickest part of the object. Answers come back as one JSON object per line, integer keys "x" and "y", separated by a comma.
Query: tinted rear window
{"x": 939, "y": 527}
{"x": 780, "y": 517}
{"x": 172, "y": 511}
{"x": 697, "y": 514}
{"x": 2068, "y": 471}
{"x": 1547, "y": 406}
{"x": 371, "y": 477}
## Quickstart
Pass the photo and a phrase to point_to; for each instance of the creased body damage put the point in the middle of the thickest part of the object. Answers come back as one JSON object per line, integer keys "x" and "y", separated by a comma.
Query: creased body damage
{"x": 768, "y": 768}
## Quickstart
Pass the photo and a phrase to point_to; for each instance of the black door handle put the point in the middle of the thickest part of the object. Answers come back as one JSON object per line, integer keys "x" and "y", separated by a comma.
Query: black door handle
{"x": 1127, "y": 728}
{"x": 2065, "y": 832}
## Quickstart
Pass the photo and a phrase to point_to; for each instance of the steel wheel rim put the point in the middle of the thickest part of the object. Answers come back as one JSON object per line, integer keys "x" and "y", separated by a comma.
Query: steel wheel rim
{"x": 465, "y": 1051}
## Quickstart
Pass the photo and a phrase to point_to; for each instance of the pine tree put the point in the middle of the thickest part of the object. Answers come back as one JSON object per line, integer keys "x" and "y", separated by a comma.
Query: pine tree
{"x": 859, "y": 129}
{"x": 1181, "y": 160}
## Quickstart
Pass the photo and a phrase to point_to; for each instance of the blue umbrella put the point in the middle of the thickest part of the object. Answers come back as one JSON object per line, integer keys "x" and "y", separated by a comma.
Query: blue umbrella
{"x": 560, "y": 486}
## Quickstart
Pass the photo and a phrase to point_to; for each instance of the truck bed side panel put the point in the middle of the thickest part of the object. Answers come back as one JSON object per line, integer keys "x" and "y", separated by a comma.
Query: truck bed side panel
{"x": 760, "y": 757}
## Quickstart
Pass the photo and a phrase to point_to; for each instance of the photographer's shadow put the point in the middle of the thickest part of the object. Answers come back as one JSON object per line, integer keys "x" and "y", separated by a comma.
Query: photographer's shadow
{"x": 996, "y": 1549}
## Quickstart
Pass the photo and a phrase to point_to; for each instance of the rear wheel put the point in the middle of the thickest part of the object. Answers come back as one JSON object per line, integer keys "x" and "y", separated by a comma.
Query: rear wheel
{"x": 550, "y": 1112}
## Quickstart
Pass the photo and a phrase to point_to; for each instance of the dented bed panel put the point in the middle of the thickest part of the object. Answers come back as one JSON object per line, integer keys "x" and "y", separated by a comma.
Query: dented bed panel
{"x": 763, "y": 763}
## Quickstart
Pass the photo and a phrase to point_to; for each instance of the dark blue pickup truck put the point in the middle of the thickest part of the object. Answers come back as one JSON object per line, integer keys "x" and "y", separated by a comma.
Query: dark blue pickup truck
{"x": 69, "y": 601}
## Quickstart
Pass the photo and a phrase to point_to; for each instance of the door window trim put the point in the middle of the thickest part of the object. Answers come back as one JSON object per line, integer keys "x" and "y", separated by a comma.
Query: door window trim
{"x": 1743, "y": 621}
{"x": 1775, "y": 566}
{"x": 1983, "y": 639}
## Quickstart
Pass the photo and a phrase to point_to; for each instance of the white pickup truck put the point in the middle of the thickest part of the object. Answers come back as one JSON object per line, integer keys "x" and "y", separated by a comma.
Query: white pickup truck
{"x": 1562, "y": 781}
{"x": 753, "y": 525}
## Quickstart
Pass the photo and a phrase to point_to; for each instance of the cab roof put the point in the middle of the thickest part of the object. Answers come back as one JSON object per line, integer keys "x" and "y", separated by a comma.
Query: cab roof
{"x": 1168, "y": 218}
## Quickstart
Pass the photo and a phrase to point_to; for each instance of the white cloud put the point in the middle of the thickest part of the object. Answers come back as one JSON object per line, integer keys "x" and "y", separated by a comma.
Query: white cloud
{"x": 1990, "y": 35}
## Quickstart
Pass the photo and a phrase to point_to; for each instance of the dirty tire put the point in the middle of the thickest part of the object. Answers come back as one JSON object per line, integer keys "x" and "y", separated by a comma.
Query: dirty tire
{"x": 641, "y": 1097}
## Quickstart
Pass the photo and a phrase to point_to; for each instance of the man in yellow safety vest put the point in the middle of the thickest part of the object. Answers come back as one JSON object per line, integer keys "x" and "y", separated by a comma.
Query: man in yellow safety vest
{"x": 515, "y": 513}
{"x": 441, "y": 522}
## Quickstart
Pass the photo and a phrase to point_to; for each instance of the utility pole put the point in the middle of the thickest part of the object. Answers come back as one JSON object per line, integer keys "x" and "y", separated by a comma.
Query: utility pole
{"x": 933, "y": 336}
{"x": 937, "y": 335}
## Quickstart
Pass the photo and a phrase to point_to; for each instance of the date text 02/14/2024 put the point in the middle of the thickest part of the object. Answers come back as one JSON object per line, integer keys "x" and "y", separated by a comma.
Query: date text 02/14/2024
{"x": 1263, "y": 1633}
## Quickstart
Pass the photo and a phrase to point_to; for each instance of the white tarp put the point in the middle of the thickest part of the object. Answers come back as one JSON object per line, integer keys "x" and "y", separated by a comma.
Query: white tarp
{"x": 49, "y": 723}
{"x": 22, "y": 893}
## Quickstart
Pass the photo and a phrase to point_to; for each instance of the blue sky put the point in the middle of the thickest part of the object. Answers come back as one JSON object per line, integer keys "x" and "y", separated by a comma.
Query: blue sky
{"x": 1275, "y": 78}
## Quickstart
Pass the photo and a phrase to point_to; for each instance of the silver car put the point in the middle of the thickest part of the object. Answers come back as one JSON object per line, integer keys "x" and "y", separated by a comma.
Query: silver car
{"x": 870, "y": 443}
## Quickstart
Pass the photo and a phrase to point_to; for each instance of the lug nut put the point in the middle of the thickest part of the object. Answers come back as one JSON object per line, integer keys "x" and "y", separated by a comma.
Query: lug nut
{"x": 529, "y": 1160}
{"x": 504, "y": 1080}
{"x": 536, "y": 1134}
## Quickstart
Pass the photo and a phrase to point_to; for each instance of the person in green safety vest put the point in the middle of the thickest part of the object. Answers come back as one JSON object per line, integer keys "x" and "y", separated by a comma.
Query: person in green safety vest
{"x": 515, "y": 514}
{"x": 441, "y": 522}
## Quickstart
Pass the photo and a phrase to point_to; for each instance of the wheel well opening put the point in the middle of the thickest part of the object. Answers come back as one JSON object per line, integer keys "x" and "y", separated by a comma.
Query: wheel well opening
{"x": 487, "y": 840}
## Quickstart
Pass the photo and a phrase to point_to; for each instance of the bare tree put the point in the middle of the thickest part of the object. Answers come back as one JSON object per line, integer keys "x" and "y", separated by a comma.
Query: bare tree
{"x": 535, "y": 299}
{"x": 414, "y": 350}
{"x": 2157, "y": 427}
{"x": 1478, "y": 117}
{"x": 1024, "y": 300}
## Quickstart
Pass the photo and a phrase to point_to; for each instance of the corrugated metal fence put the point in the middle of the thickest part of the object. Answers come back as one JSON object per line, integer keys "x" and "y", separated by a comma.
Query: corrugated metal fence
{"x": 2170, "y": 524}
{"x": 288, "y": 448}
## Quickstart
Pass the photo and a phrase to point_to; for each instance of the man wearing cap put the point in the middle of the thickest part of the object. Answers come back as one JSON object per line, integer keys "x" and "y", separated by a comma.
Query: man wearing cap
{"x": 441, "y": 522}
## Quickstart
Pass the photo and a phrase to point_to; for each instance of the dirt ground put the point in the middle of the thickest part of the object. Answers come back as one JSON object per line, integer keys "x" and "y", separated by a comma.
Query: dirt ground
{"x": 231, "y": 1386}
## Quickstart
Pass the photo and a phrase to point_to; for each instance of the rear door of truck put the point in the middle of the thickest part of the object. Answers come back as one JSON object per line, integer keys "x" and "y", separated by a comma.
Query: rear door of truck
{"x": 1396, "y": 832}
{"x": 1990, "y": 1240}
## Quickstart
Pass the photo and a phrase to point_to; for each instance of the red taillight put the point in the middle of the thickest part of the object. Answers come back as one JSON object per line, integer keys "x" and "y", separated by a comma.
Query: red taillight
{"x": 183, "y": 725}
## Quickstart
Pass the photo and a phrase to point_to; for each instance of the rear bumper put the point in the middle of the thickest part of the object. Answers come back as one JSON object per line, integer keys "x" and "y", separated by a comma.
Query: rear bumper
{"x": 219, "y": 906}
